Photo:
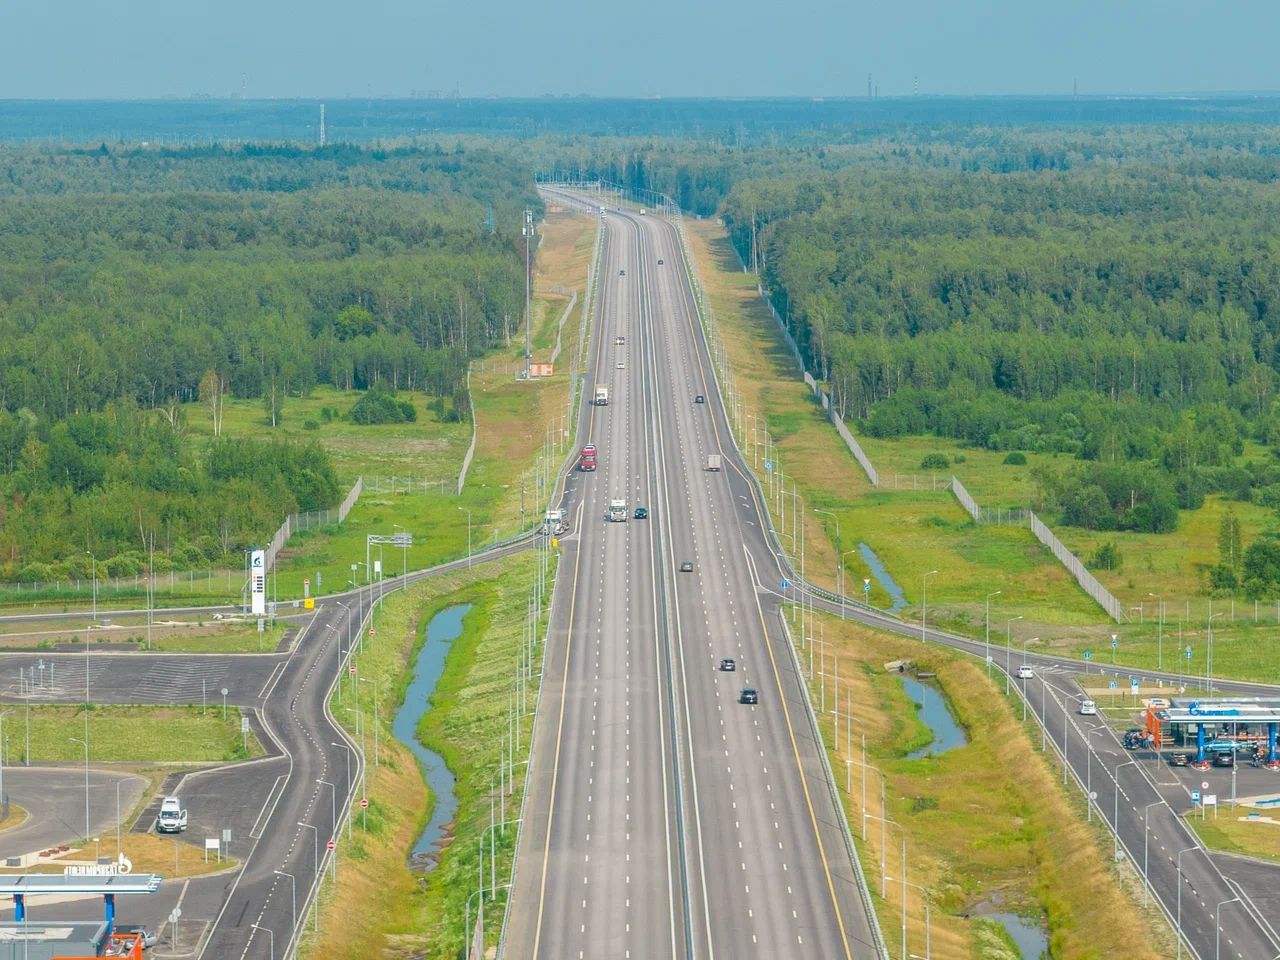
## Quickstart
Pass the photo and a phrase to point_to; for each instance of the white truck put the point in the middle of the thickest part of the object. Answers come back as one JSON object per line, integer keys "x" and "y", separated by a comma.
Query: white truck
{"x": 172, "y": 818}
{"x": 602, "y": 395}
{"x": 553, "y": 522}
{"x": 713, "y": 463}
{"x": 617, "y": 511}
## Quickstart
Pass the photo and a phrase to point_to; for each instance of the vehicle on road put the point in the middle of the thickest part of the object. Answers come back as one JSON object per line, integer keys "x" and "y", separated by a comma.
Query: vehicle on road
{"x": 1132, "y": 738}
{"x": 617, "y": 511}
{"x": 622, "y": 273}
{"x": 713, "y": 463}
{"x": 728, "y": 665}
{"x": 748, "y": 696}
{"x": 642, "y": 513}
{"x": 588, "y": 463}
{"x": 620, "y": 340}
{"x": 553, "y": 521}
{"x": 699, "y": 399}
{"x": 659, "y": 261}
{"x": 642, "y": 211}
{"x": 1088, "y": 708}
{"x": 1025, "y": 672}
{"x": 1179, "y": 759}
{"x": 1224, "y": 758}
{"x": 172, "y": 817}
{"x": 602, "y": 395}
{"x": 621, "y": 364}
{"x": 686, "y": 566}
{"x": 148, "y": 936}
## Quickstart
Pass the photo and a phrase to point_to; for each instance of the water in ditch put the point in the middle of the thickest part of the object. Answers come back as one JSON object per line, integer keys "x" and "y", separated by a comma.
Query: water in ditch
{"x": 947, "y": 734}
{"x": 1030, "y": 936}
{"x": 897, "y": 599}
{"x": 444, "y": 628}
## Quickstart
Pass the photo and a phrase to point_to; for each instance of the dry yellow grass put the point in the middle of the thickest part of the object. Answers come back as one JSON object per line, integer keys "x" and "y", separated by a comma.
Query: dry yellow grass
{"x": 16, "y": 818}
{"x": 975, "y": 833}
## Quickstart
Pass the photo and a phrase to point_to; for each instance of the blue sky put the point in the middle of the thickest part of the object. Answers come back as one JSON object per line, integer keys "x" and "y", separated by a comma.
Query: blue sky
{"x": 327, "y": 48}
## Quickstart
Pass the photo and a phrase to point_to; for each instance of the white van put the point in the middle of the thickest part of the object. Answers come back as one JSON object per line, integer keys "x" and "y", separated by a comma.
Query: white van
{"x": 1088, "y": 708}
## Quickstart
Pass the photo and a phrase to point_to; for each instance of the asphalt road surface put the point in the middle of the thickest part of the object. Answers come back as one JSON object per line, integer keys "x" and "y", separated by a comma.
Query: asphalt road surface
{"x": 54, "y": 800}
{"x": 665, "y": 819}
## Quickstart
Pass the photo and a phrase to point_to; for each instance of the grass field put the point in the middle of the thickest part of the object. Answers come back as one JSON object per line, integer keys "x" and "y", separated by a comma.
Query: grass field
{"x": 1227, "y": 832}
{"x": 912, "y": 531}
{"x": 149, "y": 853}
{"x": 170, "y": 636}
{"x": 465, "y": 724}
{"x": 976, "y": 837}
{"x": 135, "y": 734}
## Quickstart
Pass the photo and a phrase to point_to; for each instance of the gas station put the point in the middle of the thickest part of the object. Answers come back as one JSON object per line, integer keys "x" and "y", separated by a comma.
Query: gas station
{"x": 1209, "y": 725}
{"x": 82, "y": 938}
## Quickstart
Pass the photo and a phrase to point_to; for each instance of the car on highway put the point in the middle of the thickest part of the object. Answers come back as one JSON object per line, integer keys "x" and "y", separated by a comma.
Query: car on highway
{"x": 1179, "y": 759}
{"x": 622, "y": 273}
{"x": 748, "y": 696}
{"x": 642, "y": 513}
{"x": 1088, "y": 708}
{"x": 1025, "y": 672}
{"x": 659, "y": 261}
{"x": 728, "y": 665}
{"x": 699, "y": 399}
{"x": 620, "y": 340}
{"x": 589, "y": 450}
{"x": 686, "y": 566}
{"x": 621, "y": 364}
{"x": 1224, "y": 758}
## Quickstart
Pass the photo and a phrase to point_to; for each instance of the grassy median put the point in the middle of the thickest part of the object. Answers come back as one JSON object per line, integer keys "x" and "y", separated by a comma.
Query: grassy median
{"x": 130, "y": 734}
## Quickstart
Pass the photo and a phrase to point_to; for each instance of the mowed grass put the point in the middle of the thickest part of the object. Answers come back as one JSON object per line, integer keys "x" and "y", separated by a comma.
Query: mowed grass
{"x": 136, "y": 734}
{"x": 986, "y": 476}
{"x": 911, "y": 531}
{"x": 425, "y": 448}
{"x": 466, "y": 724}
{"x": 1231, "y": 832}
{"x": 178, "y": 636}
{"x": 976, "y": 831}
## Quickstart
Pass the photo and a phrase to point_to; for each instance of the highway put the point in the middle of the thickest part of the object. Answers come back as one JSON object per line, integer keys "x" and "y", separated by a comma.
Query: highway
{"x": 665, "y": 819}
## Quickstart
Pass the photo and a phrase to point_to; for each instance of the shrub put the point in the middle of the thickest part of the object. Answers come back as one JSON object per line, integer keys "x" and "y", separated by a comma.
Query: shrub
{"x": 1107, "y": 557}
{"x": 935, "y": 461}
{"x": 1015, "y": 458}
{"x": 310, "y": 425}
{"x": 378, "y": 405}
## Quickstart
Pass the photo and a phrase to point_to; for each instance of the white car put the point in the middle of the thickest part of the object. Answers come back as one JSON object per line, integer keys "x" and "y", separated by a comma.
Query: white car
{"x": 1088, "y": 708}
{"x": 1025, "y": 672}
{"x": 621, "y": 365}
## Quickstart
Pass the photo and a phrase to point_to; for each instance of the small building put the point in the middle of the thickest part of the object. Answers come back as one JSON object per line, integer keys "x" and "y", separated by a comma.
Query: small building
{"x": 1218, "y": 723}
{"x": 43, "y": 941}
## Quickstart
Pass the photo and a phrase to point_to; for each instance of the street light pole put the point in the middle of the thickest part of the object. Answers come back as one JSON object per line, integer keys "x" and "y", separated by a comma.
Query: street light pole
{"x": 924, "y": 603}
{"x": 377, "y": 751}
{"x": 1159, "y": 630}
{"x": 1146, "y": 882}
{"x": 468, "y": 512}
{"x": 350, "y": 790}
{"x": 1217, "y": 927}
{"x": 1208, "y": 658}
{"x": 1179, "y": 862}
{"x": 269, "y": 933}
{"x": 85, "y": 744}
{"x": 293, "y": 885}
{"x": 1024, "y": 686}
{"x": 95, "y": 584}
{"x": 988, "y": 627}
{"x": 1008, "y": 651}
{"x": 838, "y": 572}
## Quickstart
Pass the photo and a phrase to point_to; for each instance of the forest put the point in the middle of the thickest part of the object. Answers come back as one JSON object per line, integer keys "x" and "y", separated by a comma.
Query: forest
{"x": 134, "y": 279}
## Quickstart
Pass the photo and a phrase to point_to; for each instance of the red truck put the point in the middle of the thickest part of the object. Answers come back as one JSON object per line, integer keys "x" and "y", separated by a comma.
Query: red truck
{"x": 587, "y": 461}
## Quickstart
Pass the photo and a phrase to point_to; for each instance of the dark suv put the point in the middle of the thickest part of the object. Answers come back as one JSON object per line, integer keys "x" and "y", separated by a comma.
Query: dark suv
{"x": 748, "y": 696}
{"x": 728, "y": 664}
{"x": 642, "y": 513}
{"x": 1224, "y": 758}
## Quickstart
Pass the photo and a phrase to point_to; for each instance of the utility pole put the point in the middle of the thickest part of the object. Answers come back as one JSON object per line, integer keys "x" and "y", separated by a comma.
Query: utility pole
{"x": 528, "y": 281}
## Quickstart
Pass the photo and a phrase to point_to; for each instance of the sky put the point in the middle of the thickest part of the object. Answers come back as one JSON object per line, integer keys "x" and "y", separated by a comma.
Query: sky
{"x": 69, "y": 49}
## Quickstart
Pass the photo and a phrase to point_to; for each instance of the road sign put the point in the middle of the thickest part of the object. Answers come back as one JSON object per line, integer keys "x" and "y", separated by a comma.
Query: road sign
{"x": 1088, "y": 654}
{"x": 306, "y": 581}
{"x": 1114, "y": 643}
{"x": 331, "y": 845}
{"x": 1133, "y": 683}
{"x": 1113, "y": 684}
{"x": 364, "y": 803}
{"x": 768, "y": 466}
{"x": 352, "y": 670}
{"x": 1195, "y": 796}
{"x": 244, "y": 724}
{"x": 1188, "y": 654}
{"x": 1093, "y": 794}
{"x": 372, "y": 631}
{"x": 1204, "y": 784}
{"x": 786, "y": 584}
{"x": 1211, "y": 800}
{"x": 174, "y": 914}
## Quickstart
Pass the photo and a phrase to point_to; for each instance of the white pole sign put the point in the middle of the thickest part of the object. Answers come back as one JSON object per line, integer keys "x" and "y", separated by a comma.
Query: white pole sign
{"x": 258, "y": 581}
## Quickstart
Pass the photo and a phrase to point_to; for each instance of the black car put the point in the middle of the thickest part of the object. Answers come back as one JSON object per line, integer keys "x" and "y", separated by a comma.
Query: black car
{"x": 659, "y": 261}
{"x": 622, "y": 273}
{"x": 1179, "y": 759}
{"x": 728, "y": 665}
{"x": 748, "y": 696}
{"x": 1224, "y": 758}
{"x": 686, "y": 566}
{"x": 699, "y": 399}
{"x": 642, "y": 513}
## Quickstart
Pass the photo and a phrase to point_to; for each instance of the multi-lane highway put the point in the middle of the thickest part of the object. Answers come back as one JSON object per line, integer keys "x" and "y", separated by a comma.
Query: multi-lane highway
{"x": 666, "y": 819}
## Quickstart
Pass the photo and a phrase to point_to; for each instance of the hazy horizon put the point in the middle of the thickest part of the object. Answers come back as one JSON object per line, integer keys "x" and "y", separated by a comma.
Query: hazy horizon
{"x": 394, "y": 48}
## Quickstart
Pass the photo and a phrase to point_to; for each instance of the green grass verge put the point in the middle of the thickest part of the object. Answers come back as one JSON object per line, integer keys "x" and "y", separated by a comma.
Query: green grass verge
{"x": 1226, "y": 832}
{"x": 183, "y": 637}
{"x": 975, "y": 835}
{"x": 138, "y": 734}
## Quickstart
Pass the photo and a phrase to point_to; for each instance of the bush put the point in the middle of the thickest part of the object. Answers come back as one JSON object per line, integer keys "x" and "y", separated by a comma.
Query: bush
{"x": 935, "y": 461}
{"x": 1015, "y": 458}
{"x": 1107, "y": 557}
{"x": 378, "y": 405}
{"x": 35, "y": 573}
{"x": 310, "y": 425}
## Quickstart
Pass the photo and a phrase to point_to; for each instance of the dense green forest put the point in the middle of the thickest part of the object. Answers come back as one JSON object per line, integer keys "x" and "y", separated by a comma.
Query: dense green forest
{"x": 134, "y": 279}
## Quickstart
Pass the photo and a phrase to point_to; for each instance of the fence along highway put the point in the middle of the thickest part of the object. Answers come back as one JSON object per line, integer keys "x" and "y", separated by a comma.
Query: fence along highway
{"x": 666, "y": 819}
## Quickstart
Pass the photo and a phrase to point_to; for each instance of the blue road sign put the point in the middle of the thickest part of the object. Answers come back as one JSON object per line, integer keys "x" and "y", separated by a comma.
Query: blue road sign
{"x": 1088, "y": 654}
{"x": 768, "y": 466}
{"x": 1188, "y": 653}
{"x": 1113, "y": 684}
{"x": 1114, "y": 643}
{"x": 786, "y": 584}
{"x": 1195, "y": 796}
